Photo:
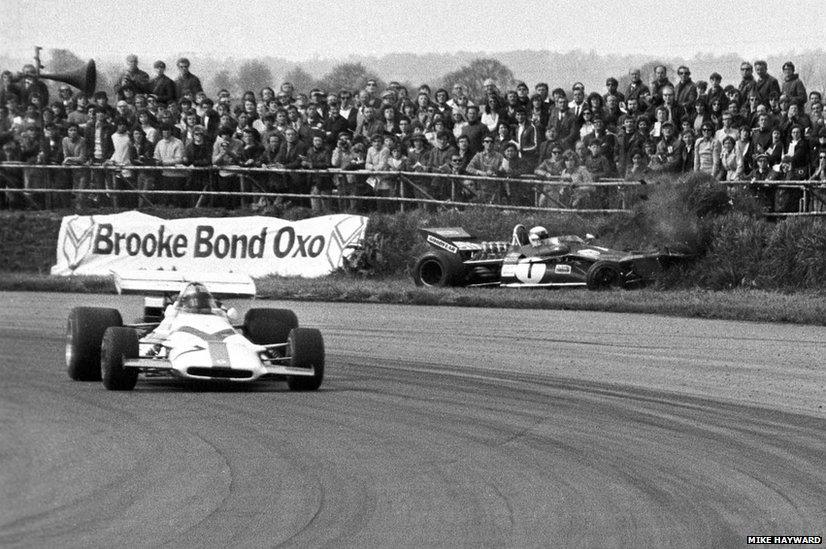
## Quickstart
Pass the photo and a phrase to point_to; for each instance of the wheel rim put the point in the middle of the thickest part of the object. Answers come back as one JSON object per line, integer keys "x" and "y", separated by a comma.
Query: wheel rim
{"x": 430, "y": 272}
{"x": 70, "y": 346}
{"x": 607, "y": 276}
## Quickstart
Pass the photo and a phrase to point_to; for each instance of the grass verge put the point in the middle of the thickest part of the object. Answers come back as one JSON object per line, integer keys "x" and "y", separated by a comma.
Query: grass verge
{"x": 739, "y": 304}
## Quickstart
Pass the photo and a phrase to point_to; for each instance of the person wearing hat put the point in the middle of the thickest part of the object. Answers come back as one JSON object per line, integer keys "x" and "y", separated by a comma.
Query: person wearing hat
{"x": 64, "y": 95}
{"x": 763, "y": 171}
{"x": 707, "y": 151}
{"x": 160, "y": 86}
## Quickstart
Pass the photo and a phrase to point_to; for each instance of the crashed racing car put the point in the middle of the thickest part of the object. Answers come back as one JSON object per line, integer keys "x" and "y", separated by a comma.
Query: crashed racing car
{"x": 532, "y": 259}
{"x": 186, "y": 333}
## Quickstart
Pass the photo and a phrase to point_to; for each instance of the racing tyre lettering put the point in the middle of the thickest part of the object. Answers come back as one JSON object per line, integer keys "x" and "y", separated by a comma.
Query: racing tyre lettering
{"x": 118, "y": 343}
{"x": 84, "y": 334}
{"x": 306, "y": 351}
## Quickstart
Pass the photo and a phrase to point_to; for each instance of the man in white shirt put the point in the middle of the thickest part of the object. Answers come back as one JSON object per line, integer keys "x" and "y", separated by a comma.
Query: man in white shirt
{"x": 169, "y": 151}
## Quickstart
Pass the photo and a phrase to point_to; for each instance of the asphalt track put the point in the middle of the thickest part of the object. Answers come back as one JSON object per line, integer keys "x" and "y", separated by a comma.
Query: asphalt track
{"x": 434, "y": 427}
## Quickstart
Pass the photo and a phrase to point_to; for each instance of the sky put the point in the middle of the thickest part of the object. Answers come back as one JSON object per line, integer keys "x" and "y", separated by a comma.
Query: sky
{"x": 313, "y": 28}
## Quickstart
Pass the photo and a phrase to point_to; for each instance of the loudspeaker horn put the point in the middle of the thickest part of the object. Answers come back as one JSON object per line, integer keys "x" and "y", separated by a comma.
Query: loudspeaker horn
{"x": 84, "y": 78}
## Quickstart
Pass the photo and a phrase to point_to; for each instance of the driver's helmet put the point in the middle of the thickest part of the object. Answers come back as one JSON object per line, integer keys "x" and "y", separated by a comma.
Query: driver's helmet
{"x": 538, "y": 236}
{"x": 196, "y": 299}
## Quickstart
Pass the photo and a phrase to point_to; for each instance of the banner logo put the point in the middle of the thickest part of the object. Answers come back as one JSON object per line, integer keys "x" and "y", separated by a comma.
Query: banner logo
{"x": 78, "y": 241}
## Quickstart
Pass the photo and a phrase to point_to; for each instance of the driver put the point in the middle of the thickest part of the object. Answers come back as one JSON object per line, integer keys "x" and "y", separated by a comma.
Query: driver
{"x": 196, "y": 299}
{"x": 538, "y": 236}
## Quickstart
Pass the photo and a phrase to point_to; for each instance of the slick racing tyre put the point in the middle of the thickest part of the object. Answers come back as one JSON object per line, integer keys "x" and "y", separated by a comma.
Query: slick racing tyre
{"x": 268, "y": 326}
{"x": 603, "y": 275}
{"x": 84, "y": 333}
{"x": 306, "y": 351}
{"x": 438, "y": 269}
{"x": 118, "y": 343}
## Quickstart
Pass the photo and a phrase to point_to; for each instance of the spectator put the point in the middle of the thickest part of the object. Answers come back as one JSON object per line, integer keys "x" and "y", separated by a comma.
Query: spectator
{"x": 318, "y": 158}
{"x": 226, "y": 152}
{"x": 728, "y": 129}
{"x": 747, "y": 83}
{"x": 565, "y": 123}
{"x": 439, "y": 160}
{"x": 132, "y": 76}
{"x": 686, "y": 90}
{"x": 169, "y": 151}
{"x": 670, "y": 149}
{"x": 688, "y": 138}
{"x": 121, "y": 156}
{"x": 491, "y": 116}
{"x": 75, "y": 153}
{"x": 396, "y": 162}
{"x": 474, "y": 130}
{"x": 596, "y": 163}
{"x": 511, "y": 168}
{"x": 579, "y": 195}
{"x": 765, "y": 194}
{"x": 707, "y": 151}
{"x": 29, "y": 85}
{"x": 187, "y": 84}
{"x": 161, "y": 88}
{"x": 142, "y": 153}
{"x": 659, "y": 82}
{"x": 745, "y": 151}
{"x": 578, "y": 103}
{"x": 675, "y": 112}
{"x": 715, "y": 90}
{"x": 728, "y": 168}
{"x": 525, "y": 136}
{"x": 636, "y": 88}
{"x": 488, "y": 163}
{"x": 793, "y": 88}
{"x": 765, "y": 83}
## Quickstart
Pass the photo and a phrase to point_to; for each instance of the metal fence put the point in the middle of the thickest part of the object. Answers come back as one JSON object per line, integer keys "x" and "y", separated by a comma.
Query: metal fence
{"x": 412, "y": 189}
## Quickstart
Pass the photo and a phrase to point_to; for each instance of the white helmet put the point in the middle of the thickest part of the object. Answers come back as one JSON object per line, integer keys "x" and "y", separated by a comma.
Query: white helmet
{"x": 537, "y": 236}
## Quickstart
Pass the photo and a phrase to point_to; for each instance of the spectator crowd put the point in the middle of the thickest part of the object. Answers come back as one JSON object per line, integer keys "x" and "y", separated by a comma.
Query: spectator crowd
{"x": 761, "y": 129}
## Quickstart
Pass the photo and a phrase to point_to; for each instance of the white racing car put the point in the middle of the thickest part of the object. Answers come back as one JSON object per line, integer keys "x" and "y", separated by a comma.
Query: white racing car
{"x": 186, "y": 333}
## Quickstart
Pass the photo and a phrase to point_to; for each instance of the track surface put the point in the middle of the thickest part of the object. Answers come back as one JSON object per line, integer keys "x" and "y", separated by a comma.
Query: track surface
{"x": 434, "y": 427}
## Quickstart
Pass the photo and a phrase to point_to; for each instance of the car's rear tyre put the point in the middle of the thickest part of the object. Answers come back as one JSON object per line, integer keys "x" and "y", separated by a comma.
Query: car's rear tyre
{"x": 603, "y": 275}
{"x": 438, "y": 269}
{"x": 84, "y": 333}
{"x": 118, "y": 343}
{"x": 306, "y": 351}
{"x": 268, "y": 326}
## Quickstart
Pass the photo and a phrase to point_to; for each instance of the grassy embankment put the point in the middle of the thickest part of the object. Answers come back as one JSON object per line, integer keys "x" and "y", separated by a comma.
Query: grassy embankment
{"x": 746, "y": 268}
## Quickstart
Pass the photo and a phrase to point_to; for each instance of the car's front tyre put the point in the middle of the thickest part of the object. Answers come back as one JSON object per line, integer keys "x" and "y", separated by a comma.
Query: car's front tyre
{"x": 268, "y": 326}
{"x": 118, "y": 344}
{"x": 306, "y": 351}
{"x": 84, "y": 333}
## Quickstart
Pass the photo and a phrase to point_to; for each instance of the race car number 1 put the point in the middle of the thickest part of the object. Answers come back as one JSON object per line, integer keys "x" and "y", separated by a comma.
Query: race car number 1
{"x": 529, "y": 272}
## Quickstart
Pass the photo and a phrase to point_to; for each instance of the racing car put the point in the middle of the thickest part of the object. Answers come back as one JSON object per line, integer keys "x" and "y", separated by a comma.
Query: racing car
{"x": 533, "y": 259}
{"x": 186, "y": 333}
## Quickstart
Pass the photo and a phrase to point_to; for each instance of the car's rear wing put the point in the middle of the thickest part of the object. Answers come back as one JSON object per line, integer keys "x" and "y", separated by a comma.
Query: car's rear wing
{"x": 164, "y": 283}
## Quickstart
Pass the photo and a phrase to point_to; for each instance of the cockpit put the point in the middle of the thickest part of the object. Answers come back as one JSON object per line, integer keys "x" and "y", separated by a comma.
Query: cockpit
{"x": 195, "y": 298}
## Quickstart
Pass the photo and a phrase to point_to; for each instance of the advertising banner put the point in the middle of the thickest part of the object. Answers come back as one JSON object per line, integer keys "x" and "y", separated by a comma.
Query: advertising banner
{"x": 257, "y": 246}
